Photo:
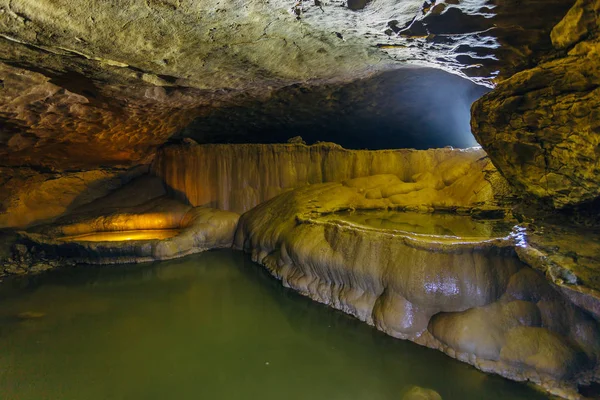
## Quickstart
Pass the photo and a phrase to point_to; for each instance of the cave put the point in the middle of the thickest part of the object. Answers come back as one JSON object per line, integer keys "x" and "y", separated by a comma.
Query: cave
{"x": 302, "y": 199}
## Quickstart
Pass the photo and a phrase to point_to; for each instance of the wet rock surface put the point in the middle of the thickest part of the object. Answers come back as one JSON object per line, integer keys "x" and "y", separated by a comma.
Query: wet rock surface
{"x": 474, "y": 299}
{"x": 136, "y": 215}
{"x": 569, "y": 256}
{"x": 89, "y": 89}
{"x": 19, "y": 257}
{"x": 240, "y": 177}
{"x": 32, "y": 196}
{"x": 198, "y": 229}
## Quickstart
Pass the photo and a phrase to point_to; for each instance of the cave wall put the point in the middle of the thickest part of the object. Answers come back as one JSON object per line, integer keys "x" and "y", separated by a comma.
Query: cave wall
{"x": 29, "y": 196}
{"x": 239, "y": 177}
{"x": 541, "y": 127}
{"x": 486, "y": 40}
{"x": 91, "y": 85}
{"x": 69, "y": 123}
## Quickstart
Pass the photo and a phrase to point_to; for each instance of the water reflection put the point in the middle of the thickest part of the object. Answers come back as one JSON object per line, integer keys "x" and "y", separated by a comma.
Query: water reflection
{"x": 437, "y": 224}
{"x": 212, "y": 325}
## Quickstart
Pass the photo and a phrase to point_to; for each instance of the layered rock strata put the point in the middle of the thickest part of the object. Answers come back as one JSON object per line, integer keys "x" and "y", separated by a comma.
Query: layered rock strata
{"x": 197, "y": 229}
{"x": 239, "y": 177}
{"x": 541, "y": 126}
{"x": 471, "y": 298}
{"x": 31, "y": 196}
{"x": 136, "y": 223}
{"x": 569, "y": 256}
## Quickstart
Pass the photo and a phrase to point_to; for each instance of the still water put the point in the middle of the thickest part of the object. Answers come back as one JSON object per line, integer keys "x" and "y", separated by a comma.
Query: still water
{"x": 429, "y": 224}
{"x": 209, "y": 326}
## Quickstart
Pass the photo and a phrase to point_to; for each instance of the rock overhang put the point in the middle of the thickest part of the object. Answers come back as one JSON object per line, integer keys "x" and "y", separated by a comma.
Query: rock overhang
{"x": 162, "y": 62}
{"x": 89, "y": 84}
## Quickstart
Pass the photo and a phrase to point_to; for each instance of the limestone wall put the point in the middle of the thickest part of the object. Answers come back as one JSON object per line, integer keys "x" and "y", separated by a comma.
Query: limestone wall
{"x": 541, "y": 126}
{"x": 239, "y": 177}
{"x": 29, "y": 197}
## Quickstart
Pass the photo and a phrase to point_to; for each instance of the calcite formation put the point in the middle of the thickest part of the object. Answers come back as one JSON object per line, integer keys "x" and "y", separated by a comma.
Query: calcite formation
{"x": 90, "y": 89}
{"x": 569, "y": 256}
{"x": 30, "y": 196}
{"x": 197, "y": 229}
{"x": 240, "y": 177}
{"x": 541, "y": 126}
{"x": 138, "y": 207}
{"x": 471, "y": 298}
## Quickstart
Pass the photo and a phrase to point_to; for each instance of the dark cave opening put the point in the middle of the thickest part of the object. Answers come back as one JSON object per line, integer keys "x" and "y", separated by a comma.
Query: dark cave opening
{"x": 417, "y": 108}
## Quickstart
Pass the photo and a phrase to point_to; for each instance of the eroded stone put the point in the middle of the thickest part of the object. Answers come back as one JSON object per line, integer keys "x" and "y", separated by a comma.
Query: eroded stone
{"x": 239, "y": 177}
{"x": 470, "y": 297}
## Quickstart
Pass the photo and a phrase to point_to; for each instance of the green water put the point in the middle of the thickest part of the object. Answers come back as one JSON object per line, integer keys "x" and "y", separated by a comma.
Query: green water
{"x": 210, "y": 326}
{"x": 438, "y": 224}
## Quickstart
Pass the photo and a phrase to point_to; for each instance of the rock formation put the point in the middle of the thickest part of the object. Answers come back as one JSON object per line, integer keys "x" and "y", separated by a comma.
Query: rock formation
{"x": 541, "y": 126}
{"x": 139, "y": 209}
{"x": 196, "y": 229}
{"x": 30, "y": 196}
{"x": 471, "y": 298}
{"x": 85, "y": 85}
{"x": 239, "y": 177}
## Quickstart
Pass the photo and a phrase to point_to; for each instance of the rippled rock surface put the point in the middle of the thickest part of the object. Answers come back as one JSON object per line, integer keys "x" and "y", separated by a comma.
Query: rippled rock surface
{"x": 239, "y": 177}
{"x": 136, "y": 223}
{"x": 85, "y": 83}
{"x": 463, "y": 291}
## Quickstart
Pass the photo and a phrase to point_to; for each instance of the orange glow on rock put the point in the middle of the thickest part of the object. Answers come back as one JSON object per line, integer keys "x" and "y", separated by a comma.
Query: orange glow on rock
{"x": 121, "y": 236}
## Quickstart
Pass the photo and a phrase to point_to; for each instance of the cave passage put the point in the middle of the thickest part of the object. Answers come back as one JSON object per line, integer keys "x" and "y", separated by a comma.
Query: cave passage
{"x": 417, "y": 108}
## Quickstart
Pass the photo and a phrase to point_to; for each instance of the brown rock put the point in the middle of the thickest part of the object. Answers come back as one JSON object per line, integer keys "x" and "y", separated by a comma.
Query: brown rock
{"x": 29, "y": 196}
{"x": 541, "y": 127}
{"x": 240, "y": 177}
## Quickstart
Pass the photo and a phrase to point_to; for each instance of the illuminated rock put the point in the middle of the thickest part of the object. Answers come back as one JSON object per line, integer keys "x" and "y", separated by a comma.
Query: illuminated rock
{"x": 136, "y": 223}
{"x": 569, "y": 256}
{"x": 85, "y": 84}
{"x": 31, "y": 197}
{"x": 464, "y": 292}
{"x": 196, "y": 230}
{"x": 541, "y": 126}
{"x": 239, "y": 177}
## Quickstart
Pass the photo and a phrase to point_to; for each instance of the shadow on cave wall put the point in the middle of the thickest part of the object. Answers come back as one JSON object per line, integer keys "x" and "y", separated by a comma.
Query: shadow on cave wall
{"x": 407, "y": 108}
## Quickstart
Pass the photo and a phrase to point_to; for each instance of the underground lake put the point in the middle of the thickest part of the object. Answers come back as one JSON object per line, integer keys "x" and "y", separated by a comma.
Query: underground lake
{"x": 212, "y": 325}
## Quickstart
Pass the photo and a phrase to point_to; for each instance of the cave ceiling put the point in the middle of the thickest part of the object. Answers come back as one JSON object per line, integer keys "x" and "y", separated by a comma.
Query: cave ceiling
{"x": 91, "y": 83}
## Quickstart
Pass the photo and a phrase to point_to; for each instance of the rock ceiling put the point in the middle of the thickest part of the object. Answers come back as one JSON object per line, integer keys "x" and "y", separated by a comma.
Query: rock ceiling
{"x": 88, "y": 83}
